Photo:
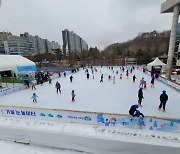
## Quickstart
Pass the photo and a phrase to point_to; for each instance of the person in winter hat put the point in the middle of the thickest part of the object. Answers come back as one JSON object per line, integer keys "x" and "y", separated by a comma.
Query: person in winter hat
{"x": 34, "y": 97}
{"x": 163, "y": 100}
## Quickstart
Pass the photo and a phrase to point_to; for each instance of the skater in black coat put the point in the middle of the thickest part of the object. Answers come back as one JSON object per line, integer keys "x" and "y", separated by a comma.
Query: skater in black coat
{"x": 133, "y": 109}
{"x": 140, "y": 96}
{"x": 71, "y": 78}
{"x": 163, "y": 100}
{"x": 134, "y": 78}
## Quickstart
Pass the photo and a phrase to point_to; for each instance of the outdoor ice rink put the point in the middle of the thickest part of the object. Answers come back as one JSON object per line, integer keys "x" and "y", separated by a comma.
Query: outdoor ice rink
{"x": 93, "y": 96}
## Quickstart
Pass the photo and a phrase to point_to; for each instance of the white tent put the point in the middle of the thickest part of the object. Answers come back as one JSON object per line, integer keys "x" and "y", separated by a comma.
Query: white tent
{"x": 16, "y": 64}
{"x": 6, "y": 65}
{"x": 156, "y": 63}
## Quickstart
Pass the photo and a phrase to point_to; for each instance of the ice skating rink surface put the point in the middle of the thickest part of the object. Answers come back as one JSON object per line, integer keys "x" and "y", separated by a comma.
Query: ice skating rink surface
{"x": 95, "y": 96}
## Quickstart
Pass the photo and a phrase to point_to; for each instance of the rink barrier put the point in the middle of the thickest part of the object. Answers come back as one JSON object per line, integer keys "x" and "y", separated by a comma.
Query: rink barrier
{"x": 93, "y": 118}
{"x": 169, "y": 83}
{"x": 8, "y": 90}
{"x": 165, "y": 81}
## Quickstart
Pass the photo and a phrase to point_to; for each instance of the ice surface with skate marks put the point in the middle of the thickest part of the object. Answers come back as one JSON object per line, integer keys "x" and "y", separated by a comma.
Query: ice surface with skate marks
{"x": 95, "y": 96}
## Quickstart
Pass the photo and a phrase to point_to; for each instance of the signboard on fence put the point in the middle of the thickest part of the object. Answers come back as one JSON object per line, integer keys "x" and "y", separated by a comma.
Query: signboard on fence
{"x": 102, "y": 119}
{"x": 49, "y": 114}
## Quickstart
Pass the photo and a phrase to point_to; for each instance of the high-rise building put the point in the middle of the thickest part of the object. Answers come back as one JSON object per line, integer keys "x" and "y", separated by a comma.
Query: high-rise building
{"x": 25, "y": 44}
{"x": 177, "y": 47}
{"x": 73, "y": 42}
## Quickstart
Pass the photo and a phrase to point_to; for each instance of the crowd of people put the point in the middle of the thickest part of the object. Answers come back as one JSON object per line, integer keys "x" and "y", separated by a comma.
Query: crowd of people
{"x": 45, "y": 76}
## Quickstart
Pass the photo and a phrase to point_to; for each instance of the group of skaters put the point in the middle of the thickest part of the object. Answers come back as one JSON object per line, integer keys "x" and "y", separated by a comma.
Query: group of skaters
{"x": 163, "y": 97}
{"x": 133, "y": 109}
{"x": 57, "y": 85}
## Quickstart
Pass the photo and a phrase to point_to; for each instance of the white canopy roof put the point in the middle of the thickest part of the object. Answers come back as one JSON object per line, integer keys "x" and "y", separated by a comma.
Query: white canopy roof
{"x": 11, "y": 62}
{"x": 6, "y": 65}
{"x": 156, "y": 62}
{"x": 18, "y": 60}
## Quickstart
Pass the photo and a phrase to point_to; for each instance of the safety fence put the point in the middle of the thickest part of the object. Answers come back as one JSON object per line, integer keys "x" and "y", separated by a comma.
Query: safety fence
{"x": 93, "y": 118}
{"x": 164, "y": 80}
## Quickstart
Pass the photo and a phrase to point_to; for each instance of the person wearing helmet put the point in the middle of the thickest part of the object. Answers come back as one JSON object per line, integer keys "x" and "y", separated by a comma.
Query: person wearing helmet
{"x": 163, "y": 100}
{"x": 34, "y": 97}
{"x": 133, "y": 109}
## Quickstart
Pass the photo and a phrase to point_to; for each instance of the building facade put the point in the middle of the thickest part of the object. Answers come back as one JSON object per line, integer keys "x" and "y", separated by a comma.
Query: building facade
{"x": 177, "y": 46}
{"x": 25, "y": 44}
{"x": 73, "y": 42}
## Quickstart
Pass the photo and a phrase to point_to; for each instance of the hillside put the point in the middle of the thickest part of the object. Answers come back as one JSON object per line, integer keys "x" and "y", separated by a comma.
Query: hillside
{"x": 155, "y": 43}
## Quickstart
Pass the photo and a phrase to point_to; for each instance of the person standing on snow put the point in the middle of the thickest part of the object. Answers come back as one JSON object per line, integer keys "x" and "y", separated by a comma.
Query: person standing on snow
{"x": 140, "y": 97}
{"x": 163, "y": 100}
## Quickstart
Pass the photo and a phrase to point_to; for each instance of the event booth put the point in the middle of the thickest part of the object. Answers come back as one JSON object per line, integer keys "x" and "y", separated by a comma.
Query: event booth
{"x": 157, "y": 65}
{"x": 16, "y": 65}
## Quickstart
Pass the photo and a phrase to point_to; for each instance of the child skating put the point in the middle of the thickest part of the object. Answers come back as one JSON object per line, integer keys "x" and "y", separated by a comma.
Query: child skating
{"x": 34, "y": 97}
{"x": 73, "y": 95}
{"x": 114, "y": 80}
{"x": 134, "y": 78}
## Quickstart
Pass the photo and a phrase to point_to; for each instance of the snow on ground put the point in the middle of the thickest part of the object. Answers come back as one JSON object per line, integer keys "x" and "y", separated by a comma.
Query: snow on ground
{"x": 126, "y": 135}
{"x": 9, "y": 147}
{"x": 93, "y": 96}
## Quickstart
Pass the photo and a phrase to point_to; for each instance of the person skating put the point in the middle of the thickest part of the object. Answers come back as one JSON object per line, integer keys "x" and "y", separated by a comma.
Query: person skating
{"x": 34, "y": 97}
{"x": 140, "y": 97}
{"x": 133, "y": 109}
{"x": 145, "y": 84}
{"x": 131, "y": 70}
{"x": 163, "y": 100}
{"x": 152, "y": 81}
{"x": 33, "y": 84}
{"x": 58, "y": 87}
{"x": 73, "y": 95}
{"x": 141, "y": 83}
{"x": 134, "y": 78}
{"x": 71, "y": 78}
{"x": 101, "y": 78}
{"x": 120, "y": 76}
{"x": 138, "y": 113}
{"x": 50, "y": 80}
{"x": 127, "y": 73}
{"x": 114, "y": 79}
{"x": 88, "y": 75}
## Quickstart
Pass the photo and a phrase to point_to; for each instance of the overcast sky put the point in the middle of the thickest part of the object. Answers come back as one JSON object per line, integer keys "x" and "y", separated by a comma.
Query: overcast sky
{"x": 99, "y": 22}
